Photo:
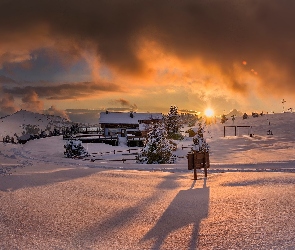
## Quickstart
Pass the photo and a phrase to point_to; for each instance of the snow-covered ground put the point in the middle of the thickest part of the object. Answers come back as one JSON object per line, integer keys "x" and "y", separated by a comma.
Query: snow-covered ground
{"x": 102, "y": 202}
{"x": 259, "y": 151}
{"x": 17, "y": 123}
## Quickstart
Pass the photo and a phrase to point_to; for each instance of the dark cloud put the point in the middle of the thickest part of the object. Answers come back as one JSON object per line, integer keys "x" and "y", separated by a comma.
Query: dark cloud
{"x": 223, "y": 33}
{"x": 5, "y": 79}
{"x": 64, "y": 91}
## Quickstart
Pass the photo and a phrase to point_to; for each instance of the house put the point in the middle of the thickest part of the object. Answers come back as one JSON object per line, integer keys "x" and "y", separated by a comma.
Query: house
{"x": 125, "y": 124}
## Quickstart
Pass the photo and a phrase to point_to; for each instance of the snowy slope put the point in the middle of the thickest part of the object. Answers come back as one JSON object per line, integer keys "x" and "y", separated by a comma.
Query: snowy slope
{"x": 261, "y": 147}
{"x": 17, "y": 122}
{"x": 53, "y": 202}
{"x": 241, "y": 151}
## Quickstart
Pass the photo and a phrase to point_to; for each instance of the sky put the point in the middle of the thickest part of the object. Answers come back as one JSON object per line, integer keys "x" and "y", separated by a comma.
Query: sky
{"x": 147, "y": 55}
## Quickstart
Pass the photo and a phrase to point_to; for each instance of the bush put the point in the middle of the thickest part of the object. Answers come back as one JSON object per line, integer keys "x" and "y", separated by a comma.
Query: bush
{"x": 74, "y": 148}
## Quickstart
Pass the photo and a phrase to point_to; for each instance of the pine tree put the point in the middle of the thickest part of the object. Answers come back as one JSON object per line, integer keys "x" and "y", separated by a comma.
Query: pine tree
{"x": 74, "y": 148}
{"x": 157, "y": 149}
{"x": 223, "y": 118}
{"x": 245, "y": 116}
{"x": 233, "y": 117}
{"x": 199, "y": 141}
{"x": 173, "y": 121}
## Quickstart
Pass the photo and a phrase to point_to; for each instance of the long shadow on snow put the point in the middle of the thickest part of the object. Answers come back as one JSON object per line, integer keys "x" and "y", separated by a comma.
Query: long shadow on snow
{"x": 188, "y": 207}
{"x": 107, "y": 227}
{"x": 14, "y": 182}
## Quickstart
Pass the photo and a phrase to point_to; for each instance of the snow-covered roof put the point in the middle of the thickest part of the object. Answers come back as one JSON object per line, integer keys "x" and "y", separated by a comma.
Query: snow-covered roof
{"x": 126, "y": 118}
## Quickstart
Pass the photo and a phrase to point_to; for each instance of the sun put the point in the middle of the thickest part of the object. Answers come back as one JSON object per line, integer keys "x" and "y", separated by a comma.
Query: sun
{"x": 209, "y": 112}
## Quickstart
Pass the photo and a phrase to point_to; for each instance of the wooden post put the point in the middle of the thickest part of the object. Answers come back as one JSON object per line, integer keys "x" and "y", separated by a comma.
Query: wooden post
{"x": 224, "y": 131}
{"x": 205, "y": 166}
{"x": 190, "y": 158}
{"x": 195, "y": 172}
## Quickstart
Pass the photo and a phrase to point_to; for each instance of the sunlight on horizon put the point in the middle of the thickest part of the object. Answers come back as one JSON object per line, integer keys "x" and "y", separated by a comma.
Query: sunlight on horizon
{"x": 209, "y": 112}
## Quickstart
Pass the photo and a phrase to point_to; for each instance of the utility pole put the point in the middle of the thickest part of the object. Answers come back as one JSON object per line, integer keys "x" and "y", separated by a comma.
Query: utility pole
{"x": 283, "y": 105}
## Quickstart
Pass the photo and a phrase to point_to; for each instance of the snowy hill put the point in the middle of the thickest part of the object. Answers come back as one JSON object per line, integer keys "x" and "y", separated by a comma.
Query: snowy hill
{"x": 281, "y": 124}
{"x": 108, "y": 201}
{"x": 19, "y": 122}
{"x": 235, "y": 113}
{"x": 261, "y": 150}
{"x": 272, "y": 141}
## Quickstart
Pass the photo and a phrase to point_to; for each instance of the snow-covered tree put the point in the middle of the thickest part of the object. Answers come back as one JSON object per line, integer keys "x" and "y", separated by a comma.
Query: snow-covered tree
{"x": 223, "y": 118}
{"x": 233, "y": 117}
{"x": 74, "y": 148}
{"x": 199, "y": 141}
{"x": 173, "y": 121}
{"x": 157, "y": 149}
{"x": 30, "y": 129}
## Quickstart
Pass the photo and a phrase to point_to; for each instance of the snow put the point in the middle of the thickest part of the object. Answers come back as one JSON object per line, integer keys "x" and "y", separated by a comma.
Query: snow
{"x": 261, "y": 151}
{"x": 15, "y": 123}
{"x": 108, "y": 201}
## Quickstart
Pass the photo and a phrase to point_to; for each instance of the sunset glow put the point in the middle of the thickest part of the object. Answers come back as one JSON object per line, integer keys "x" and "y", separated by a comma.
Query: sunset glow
{"x": 77, "y": 60}
{"x": 209, "y": 112}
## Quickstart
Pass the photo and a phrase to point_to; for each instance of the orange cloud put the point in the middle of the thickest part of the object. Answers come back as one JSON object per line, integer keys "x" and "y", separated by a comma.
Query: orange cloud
{"x": 53, "y": 110}
{"x": 147, "y": 44}
{"x": 31, "y": 102}
{"x": 7, "y": 105}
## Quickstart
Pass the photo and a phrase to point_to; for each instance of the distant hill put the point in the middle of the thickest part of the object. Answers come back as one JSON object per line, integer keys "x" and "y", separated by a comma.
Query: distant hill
{"x": 23, "y": 121}
{"x": 84, "y": 115}
{"x": 235, "y": 112}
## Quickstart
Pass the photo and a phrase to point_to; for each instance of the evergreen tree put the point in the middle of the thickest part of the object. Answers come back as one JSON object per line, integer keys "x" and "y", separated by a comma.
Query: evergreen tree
{"x": 245, "y": 116}
{"x": 223, "y": 118}
{"x": 157, "y": 149}
{"x": 74, "y": 148}
{"x": 233, "y": 117}
{"x": 173, "y": 121}
{"x": 199, "y": 141}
